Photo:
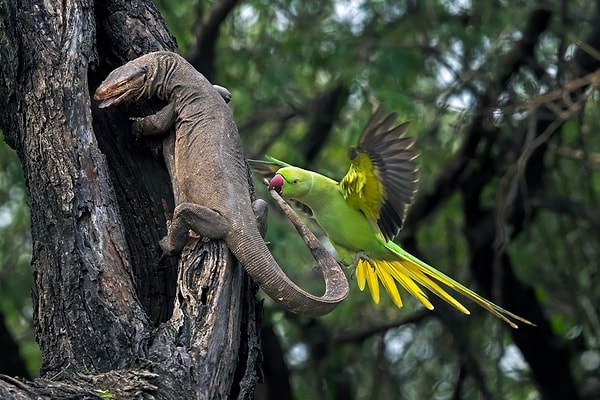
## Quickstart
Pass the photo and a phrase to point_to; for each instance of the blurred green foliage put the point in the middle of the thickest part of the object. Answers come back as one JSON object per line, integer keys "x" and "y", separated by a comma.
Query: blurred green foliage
{"x": 15, "y": 256}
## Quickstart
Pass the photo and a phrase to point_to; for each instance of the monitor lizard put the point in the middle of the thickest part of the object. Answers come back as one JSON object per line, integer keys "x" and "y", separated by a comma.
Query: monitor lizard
{"x": 208, "y": 171}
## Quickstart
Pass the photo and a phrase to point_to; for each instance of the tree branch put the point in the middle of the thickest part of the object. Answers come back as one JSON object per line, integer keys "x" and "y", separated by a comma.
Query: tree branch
{"x": 565, "y": 205}
{"x": 206, "y": 31}
{"x": 325, "y": 111}
{"x": 360, "y": 336}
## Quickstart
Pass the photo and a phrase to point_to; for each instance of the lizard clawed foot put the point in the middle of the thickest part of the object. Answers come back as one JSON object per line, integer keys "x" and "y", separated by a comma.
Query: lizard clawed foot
{"x": 260, "y": 209}
{"x": 168, "y": 248}
{"x": 225, "y": 94}
{"x": 137, "y": 127}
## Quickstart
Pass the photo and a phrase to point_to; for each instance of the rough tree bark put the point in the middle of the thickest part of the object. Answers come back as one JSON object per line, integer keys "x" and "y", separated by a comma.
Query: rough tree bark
{"x": 110, "y": 316}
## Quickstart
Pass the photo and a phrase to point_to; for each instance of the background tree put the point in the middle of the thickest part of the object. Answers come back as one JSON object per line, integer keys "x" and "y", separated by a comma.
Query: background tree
{"x": 503, "y": 99}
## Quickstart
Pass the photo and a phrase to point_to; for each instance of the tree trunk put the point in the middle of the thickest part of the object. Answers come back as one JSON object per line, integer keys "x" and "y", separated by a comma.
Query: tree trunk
{"x": 111, "y": 316}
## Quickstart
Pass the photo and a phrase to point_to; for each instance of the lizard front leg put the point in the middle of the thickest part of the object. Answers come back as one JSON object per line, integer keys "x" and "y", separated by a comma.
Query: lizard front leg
{"x": 202, "y": 220}
{"x": 161, "y": 121}
{"x": 155, "y": 124}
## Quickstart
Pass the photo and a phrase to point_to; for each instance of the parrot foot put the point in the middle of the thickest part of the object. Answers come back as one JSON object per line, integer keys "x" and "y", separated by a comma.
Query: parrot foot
{"x": 362, "y": 256}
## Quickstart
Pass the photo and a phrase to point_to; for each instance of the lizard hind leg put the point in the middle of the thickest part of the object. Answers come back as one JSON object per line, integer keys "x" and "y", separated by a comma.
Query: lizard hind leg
{"x": 260, "y": 209}
{"x": 202, "y": 220}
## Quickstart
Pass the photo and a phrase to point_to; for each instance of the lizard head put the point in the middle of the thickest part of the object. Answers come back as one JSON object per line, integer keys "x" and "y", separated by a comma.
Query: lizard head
{"x": 123, "y": 84}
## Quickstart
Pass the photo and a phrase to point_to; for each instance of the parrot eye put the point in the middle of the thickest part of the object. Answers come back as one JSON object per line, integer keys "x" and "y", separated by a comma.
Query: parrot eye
{"x": 295, "y": 182}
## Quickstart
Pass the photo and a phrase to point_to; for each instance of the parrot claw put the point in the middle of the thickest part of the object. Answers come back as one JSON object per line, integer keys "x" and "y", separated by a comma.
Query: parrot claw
{"x": 362, "y": 256}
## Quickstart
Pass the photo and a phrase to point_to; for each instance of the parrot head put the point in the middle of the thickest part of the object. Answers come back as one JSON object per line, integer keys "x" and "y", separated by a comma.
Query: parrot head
{"x": 291, "y": 182}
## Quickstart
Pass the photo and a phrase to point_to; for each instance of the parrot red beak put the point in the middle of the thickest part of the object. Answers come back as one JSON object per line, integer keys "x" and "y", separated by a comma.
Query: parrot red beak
{"x": 276, "y": 183}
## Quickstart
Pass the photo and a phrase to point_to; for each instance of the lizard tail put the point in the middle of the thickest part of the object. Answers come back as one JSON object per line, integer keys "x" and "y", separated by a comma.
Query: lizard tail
{"x": 252, "y": 252}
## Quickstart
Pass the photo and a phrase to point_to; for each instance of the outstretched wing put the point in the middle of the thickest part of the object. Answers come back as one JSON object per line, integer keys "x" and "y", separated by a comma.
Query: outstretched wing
{"x": 383, "y": 176}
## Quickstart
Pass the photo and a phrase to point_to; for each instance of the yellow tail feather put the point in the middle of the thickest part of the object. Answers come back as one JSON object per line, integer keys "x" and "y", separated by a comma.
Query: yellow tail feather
{"x": 389, "y": 268}
{"x": 408, "y": 271}
{"x": 390, "y": 286}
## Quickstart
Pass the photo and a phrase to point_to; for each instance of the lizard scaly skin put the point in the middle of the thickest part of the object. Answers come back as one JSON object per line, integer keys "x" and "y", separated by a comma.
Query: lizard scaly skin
{"x": 208, "y": 172}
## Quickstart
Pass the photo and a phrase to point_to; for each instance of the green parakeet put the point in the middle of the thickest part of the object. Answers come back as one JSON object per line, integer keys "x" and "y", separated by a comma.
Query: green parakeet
{"x": 363, "y": 213}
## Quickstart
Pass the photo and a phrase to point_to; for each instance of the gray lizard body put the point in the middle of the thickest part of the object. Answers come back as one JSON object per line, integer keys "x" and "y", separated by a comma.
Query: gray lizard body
{"x": 208, "y": 171}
